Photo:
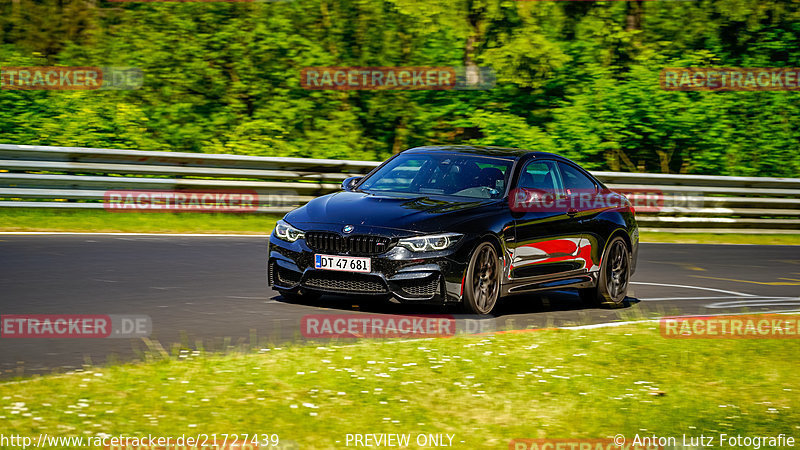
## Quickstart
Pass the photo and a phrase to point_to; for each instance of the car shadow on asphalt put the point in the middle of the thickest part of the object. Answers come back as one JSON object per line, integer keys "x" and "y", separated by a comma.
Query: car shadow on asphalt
{"x": 564, "y": 302}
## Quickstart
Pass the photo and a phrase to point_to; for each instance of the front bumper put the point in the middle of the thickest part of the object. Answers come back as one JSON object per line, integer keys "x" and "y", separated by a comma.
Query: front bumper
{"x": 431, "y": 277}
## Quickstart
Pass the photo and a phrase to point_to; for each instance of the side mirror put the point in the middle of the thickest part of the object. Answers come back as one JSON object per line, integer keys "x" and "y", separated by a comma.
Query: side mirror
{"x": 350, "y": 182}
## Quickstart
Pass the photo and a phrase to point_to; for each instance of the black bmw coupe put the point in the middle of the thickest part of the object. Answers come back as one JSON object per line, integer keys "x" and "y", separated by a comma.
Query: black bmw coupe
{"x": 460, "y": 224}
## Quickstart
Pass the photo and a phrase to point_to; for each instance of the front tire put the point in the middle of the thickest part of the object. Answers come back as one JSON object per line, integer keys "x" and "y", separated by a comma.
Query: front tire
{"x": 613, "y": 278}
{"x": 482, "y": 282}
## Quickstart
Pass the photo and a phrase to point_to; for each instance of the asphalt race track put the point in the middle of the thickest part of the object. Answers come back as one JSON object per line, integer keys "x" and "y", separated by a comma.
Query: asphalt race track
{"x": 211, "y": 291}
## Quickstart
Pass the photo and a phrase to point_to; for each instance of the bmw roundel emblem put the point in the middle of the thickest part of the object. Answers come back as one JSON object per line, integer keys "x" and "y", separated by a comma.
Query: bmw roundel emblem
{"x": 348, "y": 229}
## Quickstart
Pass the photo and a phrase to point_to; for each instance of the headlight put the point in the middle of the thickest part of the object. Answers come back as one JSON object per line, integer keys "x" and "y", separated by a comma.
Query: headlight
{"x": 288, "y": 233}
{"x": 430, "y": 243}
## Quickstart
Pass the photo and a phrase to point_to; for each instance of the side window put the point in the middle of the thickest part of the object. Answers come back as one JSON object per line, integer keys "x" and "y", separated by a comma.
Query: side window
{"x": 539, "y": 175}
{"x": 575, "y": 181}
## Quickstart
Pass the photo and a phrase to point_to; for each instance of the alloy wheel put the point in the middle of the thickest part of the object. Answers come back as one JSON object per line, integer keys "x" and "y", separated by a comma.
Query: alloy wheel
{"x": 617, "y": 273}
{"x": 484, "y": 279}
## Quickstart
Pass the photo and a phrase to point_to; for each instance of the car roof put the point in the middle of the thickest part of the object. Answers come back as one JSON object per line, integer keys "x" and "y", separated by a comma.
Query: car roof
{"x": 501, "y": 152}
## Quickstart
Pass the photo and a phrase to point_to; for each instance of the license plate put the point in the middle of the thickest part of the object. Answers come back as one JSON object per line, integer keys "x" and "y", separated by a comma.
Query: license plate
{"x": 342, "y": 263}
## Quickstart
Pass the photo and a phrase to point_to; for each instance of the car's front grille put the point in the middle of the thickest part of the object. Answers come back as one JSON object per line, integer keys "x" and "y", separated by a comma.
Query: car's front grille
{"x": 426, "y": 287}
{"x": 323, "y": 241}
{"x": 342, "y": 282}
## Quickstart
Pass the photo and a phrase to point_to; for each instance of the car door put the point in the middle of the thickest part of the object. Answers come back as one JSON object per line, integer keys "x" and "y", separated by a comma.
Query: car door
{"x": 546, "y": 238}
{"x": 582, "y": 195}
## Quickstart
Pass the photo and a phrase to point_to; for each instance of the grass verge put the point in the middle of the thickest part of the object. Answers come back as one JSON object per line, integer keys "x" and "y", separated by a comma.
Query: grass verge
{"x": 30, "y": 219}
{"x": 487, "y": 390}
{"x": 721, "y": 238}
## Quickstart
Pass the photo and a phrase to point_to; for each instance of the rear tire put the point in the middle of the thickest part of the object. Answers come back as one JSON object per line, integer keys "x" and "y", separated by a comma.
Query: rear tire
{"x": 482, "y": 282}
{"x": 613, "y": 277}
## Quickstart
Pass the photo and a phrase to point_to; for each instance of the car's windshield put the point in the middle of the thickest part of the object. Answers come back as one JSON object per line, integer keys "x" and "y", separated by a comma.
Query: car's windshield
{"x": 442, "y": 174}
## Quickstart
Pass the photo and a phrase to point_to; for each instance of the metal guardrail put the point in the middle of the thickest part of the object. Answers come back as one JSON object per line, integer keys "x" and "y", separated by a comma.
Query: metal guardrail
{"x": 69, "y": 177}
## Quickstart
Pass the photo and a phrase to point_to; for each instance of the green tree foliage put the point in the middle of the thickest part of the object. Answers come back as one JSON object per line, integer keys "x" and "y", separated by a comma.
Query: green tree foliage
{"x": 578, "y": 78}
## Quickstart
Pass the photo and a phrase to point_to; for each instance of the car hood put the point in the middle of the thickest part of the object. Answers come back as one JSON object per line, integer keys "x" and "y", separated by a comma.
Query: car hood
{"x": 364, "y": 211}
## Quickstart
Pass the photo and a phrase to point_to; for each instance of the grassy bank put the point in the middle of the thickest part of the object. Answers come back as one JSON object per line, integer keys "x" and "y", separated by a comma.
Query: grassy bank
{"x": 21, "y": 219}
{"x": 29, "y": 219}
{"x": 486, "y": 390}
{"x": 722, "y": 238}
